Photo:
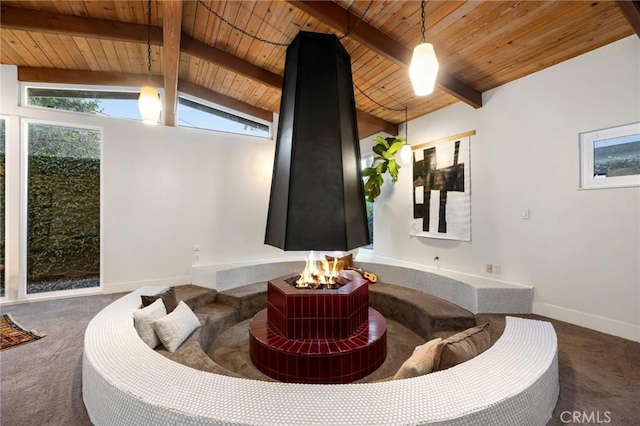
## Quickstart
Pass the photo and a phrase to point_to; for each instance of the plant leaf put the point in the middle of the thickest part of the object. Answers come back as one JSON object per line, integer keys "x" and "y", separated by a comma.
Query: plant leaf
{"x": 381, "y": 141}
{"x": 387, "y": 156}
{"x": 394, "y": 148}
{"x": 368, "y": 171}
{"x": 380, "y": 149}
{"x": 393, "y": 170}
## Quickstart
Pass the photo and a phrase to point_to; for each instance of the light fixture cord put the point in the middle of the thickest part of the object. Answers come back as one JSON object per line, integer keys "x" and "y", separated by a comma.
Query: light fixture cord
{"x": 406, "y": 125}
{"x": 276, "y": 43}
{"x": 149, "y": 41}
{"x": 345, "y": 35}
{"x": 378, "y": 103}
{"x": 424, "y": 17}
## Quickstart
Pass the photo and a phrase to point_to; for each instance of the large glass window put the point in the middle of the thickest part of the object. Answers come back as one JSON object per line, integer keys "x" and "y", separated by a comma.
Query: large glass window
{"x": 63, "y": 208}
{"x": 194, "y": 114}
{"x": 105, "y": 103}
{"x": 610, "y": 157}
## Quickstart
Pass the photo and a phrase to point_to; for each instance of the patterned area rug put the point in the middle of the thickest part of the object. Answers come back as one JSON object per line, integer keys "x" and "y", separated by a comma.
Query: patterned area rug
{"x": 13, "y": 334}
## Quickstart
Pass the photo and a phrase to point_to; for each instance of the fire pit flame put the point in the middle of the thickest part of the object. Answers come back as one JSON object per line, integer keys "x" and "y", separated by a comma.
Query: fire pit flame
{"x": 314, "y": 275}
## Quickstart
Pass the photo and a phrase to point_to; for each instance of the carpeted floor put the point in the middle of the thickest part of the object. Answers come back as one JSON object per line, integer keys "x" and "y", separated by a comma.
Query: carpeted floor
{"x": 41, "y": 381}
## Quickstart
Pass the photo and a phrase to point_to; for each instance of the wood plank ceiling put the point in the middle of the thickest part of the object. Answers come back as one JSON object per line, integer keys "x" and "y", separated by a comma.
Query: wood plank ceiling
{"x": 480, "y": 45}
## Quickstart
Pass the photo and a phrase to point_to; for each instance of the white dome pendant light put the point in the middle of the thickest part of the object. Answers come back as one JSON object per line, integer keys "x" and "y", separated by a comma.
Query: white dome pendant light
{"x": 149, "y": 102}
{"x": 423, "y": 69}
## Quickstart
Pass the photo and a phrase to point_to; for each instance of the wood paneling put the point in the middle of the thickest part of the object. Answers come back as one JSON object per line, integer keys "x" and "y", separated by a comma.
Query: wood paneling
{"x": 376, "y": 40}
{"x": 485, "y": 44}
{"x": 25, "y": 19}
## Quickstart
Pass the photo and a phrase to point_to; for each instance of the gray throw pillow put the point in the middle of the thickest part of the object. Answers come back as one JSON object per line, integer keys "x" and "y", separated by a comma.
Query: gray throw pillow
{"x": 168, "y": 298}
{"x": 462, "y": 347}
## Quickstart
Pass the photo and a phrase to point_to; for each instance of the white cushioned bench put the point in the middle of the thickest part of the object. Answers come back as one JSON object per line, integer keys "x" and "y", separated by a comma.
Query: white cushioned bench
{"x": 127, "y": 383}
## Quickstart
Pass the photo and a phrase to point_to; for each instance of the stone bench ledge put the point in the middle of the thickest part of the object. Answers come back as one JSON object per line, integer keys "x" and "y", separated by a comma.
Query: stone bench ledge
{"x": 476, "y": 294}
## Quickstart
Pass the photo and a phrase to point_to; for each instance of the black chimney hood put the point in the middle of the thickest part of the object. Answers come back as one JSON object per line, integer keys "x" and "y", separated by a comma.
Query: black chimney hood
{"x": 317, "y": 195}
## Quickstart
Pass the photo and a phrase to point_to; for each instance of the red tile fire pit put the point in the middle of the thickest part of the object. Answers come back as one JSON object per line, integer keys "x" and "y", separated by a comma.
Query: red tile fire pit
{"x": 317, "y": 336}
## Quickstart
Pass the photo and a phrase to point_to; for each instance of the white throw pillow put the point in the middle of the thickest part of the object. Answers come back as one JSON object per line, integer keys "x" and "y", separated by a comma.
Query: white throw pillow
{"x": 174, "y": 328}
{"x": 143, "y": 322}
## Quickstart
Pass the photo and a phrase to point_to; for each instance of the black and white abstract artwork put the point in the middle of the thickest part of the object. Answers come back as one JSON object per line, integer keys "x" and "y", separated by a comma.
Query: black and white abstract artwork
{"x": 442, "y": 191}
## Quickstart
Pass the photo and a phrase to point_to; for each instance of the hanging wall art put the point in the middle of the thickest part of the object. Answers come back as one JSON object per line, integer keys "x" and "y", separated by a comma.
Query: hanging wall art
{"x": 442, "y": 189}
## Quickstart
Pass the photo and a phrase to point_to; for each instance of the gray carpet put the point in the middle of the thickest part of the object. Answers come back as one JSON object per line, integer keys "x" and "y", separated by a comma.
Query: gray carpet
{"x": 41, "y": 381}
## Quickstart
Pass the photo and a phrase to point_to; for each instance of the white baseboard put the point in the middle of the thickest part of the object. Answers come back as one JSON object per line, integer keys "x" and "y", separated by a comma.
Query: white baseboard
{"x": 594, "y": 322}
{"x": 135, "y": 285}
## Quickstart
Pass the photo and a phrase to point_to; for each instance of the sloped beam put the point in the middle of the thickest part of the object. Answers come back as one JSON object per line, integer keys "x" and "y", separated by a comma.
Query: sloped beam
{"x": 631, "y": 11}
{"x": 34, "y": 20}
{"x": 16, "y": 18}
{"x": 171, "y": 28}
{"x": 378, "y": 123}
{"x": 228, "y": 61}
{"x": 51, "y": 75}
{"x": 239, "y": 66}
{"x": 342, "y": 20}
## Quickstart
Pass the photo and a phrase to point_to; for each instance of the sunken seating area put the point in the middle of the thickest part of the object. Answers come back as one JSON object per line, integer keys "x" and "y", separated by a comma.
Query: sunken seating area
{"x": 416, "y": 317}
{"x": 125, "y": 382}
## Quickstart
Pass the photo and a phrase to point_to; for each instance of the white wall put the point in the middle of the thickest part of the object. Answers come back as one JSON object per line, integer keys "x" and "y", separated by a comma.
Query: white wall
{"x": 165, "y": 190}
{"x": 581, "y": 248}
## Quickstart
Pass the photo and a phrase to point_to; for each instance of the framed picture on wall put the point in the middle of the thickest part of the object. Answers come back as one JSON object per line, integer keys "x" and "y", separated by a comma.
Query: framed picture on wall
{"x": 610, "y": 158}
{"x": 442, "y": 189}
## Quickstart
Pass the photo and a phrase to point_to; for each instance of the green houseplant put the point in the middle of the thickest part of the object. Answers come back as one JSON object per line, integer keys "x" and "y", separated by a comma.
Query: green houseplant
{"x": 384, "y": 161}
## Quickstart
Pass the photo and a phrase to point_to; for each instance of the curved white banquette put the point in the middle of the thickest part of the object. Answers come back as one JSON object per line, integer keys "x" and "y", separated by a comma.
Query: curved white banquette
{"x": 127, "y": 383}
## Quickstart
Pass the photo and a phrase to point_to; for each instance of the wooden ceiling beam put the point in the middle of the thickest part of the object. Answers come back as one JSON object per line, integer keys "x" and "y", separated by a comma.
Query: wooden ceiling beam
{"x": 171, "y": 29}
{"x": 35, "y": 20}
{"x": 100, "y": 78}
{"x": 16, "y": 18}
{"x": 373, "y": 121}
{"x": 239, "y": 66}
{"x": 342, "y": 20}
{"x": 230, "y": 62}
{"x": 631, "y": 11}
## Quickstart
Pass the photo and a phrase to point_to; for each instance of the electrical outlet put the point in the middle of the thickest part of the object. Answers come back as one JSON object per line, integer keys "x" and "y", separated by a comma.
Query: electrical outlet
{"x": 496, "y": 268}
{"x": 489, "y": 268}
{"x": 197, "y": 256}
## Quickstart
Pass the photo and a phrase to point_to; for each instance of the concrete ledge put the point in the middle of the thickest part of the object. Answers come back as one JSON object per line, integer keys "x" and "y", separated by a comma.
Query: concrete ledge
{"x": 125, "y": 382}
{"x": 476, "y": 294}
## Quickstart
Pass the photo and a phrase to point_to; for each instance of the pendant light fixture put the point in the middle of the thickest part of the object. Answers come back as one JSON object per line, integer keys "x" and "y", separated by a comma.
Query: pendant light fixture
{"x": 149, "y": 101}
{"x": 406, "y": 151}
{"x": 423, "y": 69}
